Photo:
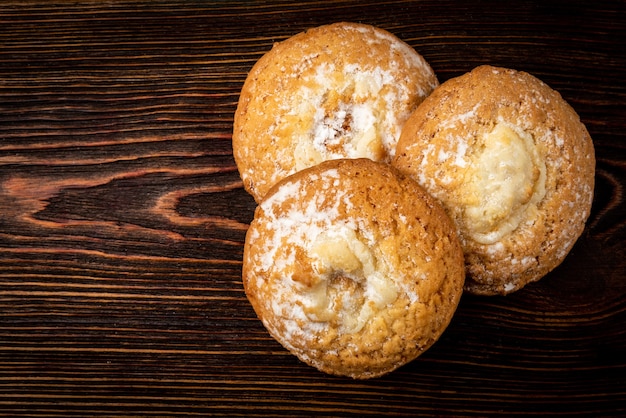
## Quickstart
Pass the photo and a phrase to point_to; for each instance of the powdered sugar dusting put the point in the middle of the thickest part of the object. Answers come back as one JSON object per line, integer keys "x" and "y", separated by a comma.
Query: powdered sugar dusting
{"x": 411, "y": 57}
{"x": 461, "y": 118}
{"x": 508, "y": 287}
{"x": 353, "y": 118}
{"x": 333, "y": 246}
{"x": 341, "y": 91}
{"x": 358, "y": 110}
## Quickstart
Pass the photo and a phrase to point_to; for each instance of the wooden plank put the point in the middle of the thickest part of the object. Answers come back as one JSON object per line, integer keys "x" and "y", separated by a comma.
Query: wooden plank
{"x": 122, "y": 217}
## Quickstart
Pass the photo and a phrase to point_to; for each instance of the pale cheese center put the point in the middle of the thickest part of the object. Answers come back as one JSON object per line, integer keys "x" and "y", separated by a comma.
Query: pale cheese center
{"x": 353, "y": 118}
{"x": 353, "y": 285}
{"x": 507, "y": 183}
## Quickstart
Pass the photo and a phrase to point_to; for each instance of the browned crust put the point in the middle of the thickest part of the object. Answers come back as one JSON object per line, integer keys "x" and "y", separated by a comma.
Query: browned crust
{"x": 488, "y": 94}
{"x": 274, "y": 113}
{"x": 402, "y": 226}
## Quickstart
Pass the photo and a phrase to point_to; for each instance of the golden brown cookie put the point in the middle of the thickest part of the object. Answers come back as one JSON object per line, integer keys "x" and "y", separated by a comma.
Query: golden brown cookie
{"x": 513, "y": 166}
{"x": 337, "y": 91}
{"x": 353, "y": 267}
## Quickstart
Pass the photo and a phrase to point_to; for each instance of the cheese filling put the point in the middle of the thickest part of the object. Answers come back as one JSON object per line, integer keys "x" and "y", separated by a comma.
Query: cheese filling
{"x": 508, "y": 180}
{"x": 353, "y": 286}
{"x": 353, "y": 117}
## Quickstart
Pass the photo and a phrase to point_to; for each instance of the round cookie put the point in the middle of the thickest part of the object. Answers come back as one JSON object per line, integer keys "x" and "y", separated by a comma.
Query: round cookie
{"x": 336, "y": 91}
{"x": 353, "y": 267}
{"x": 512, "y": 165}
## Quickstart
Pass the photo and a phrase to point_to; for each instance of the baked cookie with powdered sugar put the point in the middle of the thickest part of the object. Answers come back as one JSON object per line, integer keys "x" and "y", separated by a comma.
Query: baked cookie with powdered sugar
{"x": 353, "y": 267}
{"x": 513, "y": 166}
{"x": 342, "y": 90}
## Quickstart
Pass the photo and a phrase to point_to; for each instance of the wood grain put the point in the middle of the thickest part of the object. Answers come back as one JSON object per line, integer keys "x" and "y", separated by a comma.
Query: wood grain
{"x": 122, "y": 217}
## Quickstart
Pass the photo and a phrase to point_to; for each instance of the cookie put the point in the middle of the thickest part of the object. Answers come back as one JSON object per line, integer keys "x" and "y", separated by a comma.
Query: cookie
{"x": 513, "y": 166}
{"x": 337, "y": 91}
{"x": 352, "y": 267}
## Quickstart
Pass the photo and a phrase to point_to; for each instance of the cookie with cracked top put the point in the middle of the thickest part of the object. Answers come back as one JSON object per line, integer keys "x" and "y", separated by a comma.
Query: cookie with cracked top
{"x": 512, "y": 164}
{"x": 342, "y": 90}
{"x": 353, "y": 267}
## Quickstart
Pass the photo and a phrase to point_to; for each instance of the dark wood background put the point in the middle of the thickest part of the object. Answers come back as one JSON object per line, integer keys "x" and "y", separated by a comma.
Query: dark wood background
{"x": 122, "y": 216}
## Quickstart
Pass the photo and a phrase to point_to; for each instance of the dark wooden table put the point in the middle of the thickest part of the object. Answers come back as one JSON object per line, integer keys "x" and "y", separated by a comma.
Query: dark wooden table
{"x": 122, "y": 217}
